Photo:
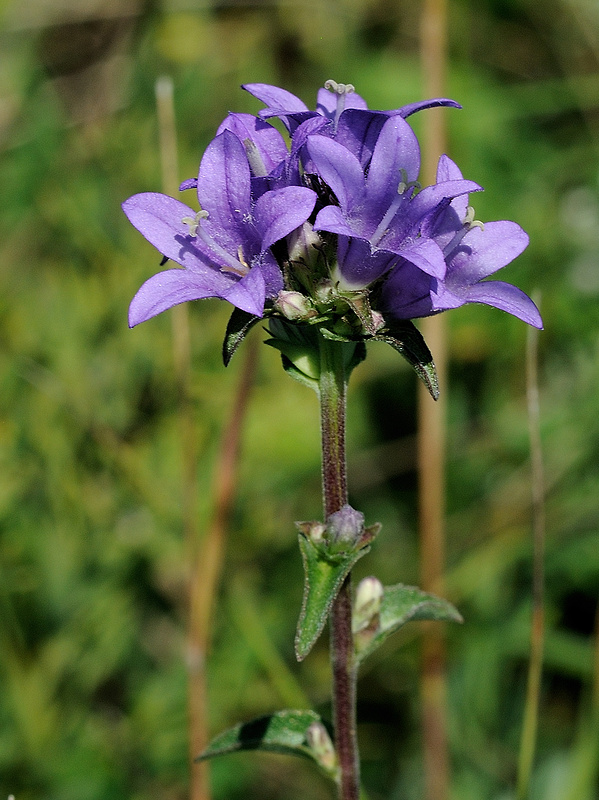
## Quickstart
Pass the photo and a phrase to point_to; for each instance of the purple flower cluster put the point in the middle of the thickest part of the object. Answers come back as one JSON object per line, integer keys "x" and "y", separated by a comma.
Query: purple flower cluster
{"x": 332, "y": 222}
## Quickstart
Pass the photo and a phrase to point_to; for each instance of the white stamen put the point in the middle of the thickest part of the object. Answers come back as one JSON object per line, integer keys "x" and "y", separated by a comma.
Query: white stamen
{"x": 339, "y": 88}
{"x": 236, "y": 266}
{"x": 254, "y": 159}
{"x": 470, "y": 222}
{"x": 405, "y": 184}
{"x": 194, "y": 222}
{"x": 241, "y": 257}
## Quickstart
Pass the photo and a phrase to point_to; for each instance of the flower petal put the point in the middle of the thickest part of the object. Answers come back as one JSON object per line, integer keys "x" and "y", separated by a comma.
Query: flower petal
{"x": 396, "y": 149}
{"x": 190, "y": 183}
{"x": 160, "y": 219}
{"x": 339, "y": 168}
{"x": 279, "y": 101}
{"x": 430, "y": 197}
{"x": 268, "y": 141}
{"x": 326, "y": 102}
{"x": 332, "y": 219}
{"x": 249, "y": 293}
{"x": 359, "y": 130}
{"x": 443, "y": 299}
{"x": 412, "y": 108}
{"x": 427, "y": 256}
{"x": 271, "y": 272}
{"x": 448, "y": 170}
{"x": 507, "y": 298}
{"x": 406, "y": 293}
{"x": 281, "y": 211}
{"x": 168, "y": 289}
{"x": 357, "y": 266}
{"x": 310, "y": 127}
{"x": 224, "y": 188}
{"x": 484, "y": 251}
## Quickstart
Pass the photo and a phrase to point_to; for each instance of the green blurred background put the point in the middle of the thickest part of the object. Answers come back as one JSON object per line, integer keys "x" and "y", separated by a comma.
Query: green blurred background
{"x": 92, "y": 555}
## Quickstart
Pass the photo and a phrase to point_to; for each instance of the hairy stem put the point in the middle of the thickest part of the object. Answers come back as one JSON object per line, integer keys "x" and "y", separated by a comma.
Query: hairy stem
{"x": 333, "y": 383}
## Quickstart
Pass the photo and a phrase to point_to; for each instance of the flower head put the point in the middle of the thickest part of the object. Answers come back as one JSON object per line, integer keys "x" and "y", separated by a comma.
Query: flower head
{"x": 329, "y": 230}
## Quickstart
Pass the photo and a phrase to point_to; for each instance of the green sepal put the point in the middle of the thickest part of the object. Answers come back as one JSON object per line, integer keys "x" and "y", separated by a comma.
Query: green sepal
{"x": 401, "y": 604}
{"x": 322, "y": 580}
{"x": 283, "y": 732}
{"x": 405, "y": 337}
{"x": 238, "y": 327}
{"x": 360, "y": 305}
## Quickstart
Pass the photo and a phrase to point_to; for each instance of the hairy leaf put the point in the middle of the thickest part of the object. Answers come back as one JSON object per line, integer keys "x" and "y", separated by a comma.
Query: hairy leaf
{"x": 238, "y": 327}
{"x": 404, "y": 337}
{"x": 285, "y": 732}
{"x": 401, "y": 604}
{"x": 322, "y": 580}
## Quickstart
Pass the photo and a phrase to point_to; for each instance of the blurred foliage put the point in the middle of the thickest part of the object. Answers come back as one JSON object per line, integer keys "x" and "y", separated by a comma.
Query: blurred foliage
{"x": 92, "y": 558}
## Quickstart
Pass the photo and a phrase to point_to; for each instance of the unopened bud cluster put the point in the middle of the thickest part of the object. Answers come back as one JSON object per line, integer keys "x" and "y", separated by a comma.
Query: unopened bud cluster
{"x": 343, "y": 532}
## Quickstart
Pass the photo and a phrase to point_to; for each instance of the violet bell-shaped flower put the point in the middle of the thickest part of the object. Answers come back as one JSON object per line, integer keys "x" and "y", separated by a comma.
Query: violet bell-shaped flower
{"x": 224, "y": 248}
{"x": 379, "y": 218}
{"x": 472, "y": 252}
{"x": 340, "y": 114}
{"x": 332, "y": 101}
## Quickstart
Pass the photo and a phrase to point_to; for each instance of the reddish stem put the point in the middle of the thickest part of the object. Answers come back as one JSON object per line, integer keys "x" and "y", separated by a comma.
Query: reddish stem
{"x": 333, "y": 384}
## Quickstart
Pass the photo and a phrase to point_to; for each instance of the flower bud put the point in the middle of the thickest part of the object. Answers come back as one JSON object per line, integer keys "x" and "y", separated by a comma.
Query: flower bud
{"x": 313, "y": 531}
{"x": 321, "y": 745}
{"x": 324, "y": 292}
{"x": 378, "y": 320}
{"x": 345, "y": 526}
{"x": 367, "y": 605}
{"x": 303, "y": 244}
{"x": 295, "y": 305}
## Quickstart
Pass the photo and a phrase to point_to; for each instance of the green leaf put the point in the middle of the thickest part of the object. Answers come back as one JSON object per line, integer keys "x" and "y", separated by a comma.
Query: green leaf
{"x": 298, "y": 345}
{"x": 283, "y": 732}
{"x": 404, "y": 337}
{"x": 293, "y": 332}
{"x": 322, "y": 580}
{"x": 401, "y": 604}
{"x": 299, "y": 358}
{"x": 355, "y": 356}
{"x": 354, "y": 351}
{"x": 239, "y": 325}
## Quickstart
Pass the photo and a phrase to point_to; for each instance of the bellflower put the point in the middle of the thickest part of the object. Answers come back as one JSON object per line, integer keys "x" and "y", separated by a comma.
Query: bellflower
{"x": 330, "y": 229}
{"x": 379, "y": 217}
{"x": 225, "y": 248}
{"x": 472, "y": 252}
{"x": 340, "y": 113}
